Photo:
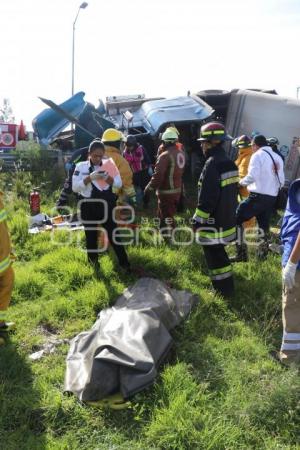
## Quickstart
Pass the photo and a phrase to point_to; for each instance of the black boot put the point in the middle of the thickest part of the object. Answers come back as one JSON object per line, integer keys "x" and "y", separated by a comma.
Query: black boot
{"x": 241, "y": 254}
{"x": 263, "y": 250}
{"x": 126, "y": 269}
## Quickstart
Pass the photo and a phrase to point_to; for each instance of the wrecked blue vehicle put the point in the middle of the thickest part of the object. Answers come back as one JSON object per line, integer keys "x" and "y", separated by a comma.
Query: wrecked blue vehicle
{"x": 145, "y": 118}
{"x": 136, "y": 115}
{"x": 88, "y": 121}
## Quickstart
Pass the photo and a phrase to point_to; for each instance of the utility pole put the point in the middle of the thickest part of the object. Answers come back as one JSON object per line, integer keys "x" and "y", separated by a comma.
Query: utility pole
{"x": 82, "y": 6}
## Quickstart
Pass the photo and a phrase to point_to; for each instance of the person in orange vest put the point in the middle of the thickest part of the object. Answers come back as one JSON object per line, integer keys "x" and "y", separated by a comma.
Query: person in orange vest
{"x": 6, "y": 274}
{"x": 242, "y": 162}
{"x": 112, "y": 140}
{"x": 243, "y": 144}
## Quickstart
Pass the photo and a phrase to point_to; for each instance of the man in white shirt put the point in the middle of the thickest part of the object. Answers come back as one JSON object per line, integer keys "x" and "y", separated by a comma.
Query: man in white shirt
{"x": 263, "y": 181}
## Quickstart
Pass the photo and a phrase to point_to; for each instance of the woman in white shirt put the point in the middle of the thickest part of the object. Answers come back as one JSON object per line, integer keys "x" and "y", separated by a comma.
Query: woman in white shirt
{"x": 93, "y": 180}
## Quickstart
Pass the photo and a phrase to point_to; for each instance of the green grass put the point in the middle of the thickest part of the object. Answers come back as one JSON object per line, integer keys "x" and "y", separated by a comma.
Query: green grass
{"x": 219, "y": 389}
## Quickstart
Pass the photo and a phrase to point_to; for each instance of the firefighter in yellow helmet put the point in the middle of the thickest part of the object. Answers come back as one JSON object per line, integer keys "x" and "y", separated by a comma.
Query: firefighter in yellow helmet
{"x": 6, "y": 273}
{"x": 112, "y": 140}
{"x": 243, "y": 143}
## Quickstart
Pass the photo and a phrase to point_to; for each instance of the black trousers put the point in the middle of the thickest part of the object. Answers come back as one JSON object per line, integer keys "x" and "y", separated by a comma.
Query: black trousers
{"x": 219, "y": 269}
{"x": 93, "y": 211}
{"x": 66, "y": 190}
{"x": 259, "y": 206}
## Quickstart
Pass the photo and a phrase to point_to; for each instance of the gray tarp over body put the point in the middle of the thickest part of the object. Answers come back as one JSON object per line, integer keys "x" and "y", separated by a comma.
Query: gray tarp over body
{"x": 122, "y": 351}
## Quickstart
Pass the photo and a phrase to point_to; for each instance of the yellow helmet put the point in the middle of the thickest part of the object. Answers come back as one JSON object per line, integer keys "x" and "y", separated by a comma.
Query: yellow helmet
{"x": 112, "y": 135}
{"x": 173, "y": 129}
{"x": 169, "y": 135}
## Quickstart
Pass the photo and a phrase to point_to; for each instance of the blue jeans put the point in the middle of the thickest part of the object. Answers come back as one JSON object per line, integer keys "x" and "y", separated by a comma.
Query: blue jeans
{"x": 259, "y": 206}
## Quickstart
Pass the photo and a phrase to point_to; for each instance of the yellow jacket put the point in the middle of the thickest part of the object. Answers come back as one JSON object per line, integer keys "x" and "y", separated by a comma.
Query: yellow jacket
{"x": 124, "y": 169}
{"x": 242, "y": 163}
{"x": 5, "y": 245}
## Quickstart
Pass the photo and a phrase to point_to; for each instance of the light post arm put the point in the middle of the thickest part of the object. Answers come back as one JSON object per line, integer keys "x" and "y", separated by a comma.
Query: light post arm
{"x": 82, "y": 6}
{"x": 73, "y": 51}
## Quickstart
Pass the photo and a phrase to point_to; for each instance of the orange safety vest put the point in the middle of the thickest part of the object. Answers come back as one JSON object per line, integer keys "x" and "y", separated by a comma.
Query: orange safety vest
{"x": 242, "y": 163}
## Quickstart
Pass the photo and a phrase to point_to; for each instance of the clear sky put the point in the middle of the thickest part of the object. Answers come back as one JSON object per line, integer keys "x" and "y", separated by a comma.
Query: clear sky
{"x": 156, "y": 47}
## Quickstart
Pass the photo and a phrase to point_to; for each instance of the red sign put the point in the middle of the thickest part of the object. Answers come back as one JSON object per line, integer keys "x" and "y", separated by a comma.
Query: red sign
{"x": 8, "y": 135}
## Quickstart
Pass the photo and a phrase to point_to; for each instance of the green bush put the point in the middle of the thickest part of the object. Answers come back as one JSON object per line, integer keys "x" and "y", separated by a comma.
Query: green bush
{"x": 66, "y": 268}
{"x": 41, "y": 164}
{"x": 18, "y": 226}
{"x": 29, "y": 284}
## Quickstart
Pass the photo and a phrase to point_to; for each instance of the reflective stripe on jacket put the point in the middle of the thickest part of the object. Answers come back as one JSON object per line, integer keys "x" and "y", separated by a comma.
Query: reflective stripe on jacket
{"x": 215, "y": 214}
{"x": 168, "y": 171}
{"x": 5, "y": 246}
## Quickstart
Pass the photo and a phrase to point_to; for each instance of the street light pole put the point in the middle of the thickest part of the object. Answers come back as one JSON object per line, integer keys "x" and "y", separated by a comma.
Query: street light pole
{"x": 82, "y": 6}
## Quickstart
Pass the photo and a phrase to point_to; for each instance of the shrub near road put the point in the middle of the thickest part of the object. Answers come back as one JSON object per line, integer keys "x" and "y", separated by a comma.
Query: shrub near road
{"x": 219, "y": 389}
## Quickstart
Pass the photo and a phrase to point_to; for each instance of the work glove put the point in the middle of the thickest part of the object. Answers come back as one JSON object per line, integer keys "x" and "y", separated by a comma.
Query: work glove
{"x": 288, "y": 275}
{"x": 98, "y": 175}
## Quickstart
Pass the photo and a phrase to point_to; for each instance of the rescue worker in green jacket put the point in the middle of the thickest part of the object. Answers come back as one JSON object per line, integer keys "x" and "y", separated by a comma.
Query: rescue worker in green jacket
{"x": 214, "y": 220}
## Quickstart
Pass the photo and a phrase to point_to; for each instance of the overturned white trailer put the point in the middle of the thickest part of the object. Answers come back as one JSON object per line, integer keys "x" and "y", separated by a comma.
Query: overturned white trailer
{"x": 270, "y": 115}
{"x": 254, "y": 110}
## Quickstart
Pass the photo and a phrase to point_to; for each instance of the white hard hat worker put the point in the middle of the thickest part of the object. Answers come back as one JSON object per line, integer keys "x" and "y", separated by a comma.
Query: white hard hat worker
{"x": 169, "y": 135}
{"x": 172, "y": 128}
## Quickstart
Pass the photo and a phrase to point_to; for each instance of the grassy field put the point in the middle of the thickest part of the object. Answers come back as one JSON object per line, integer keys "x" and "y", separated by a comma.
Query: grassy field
{"x": 219, "y": 389}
